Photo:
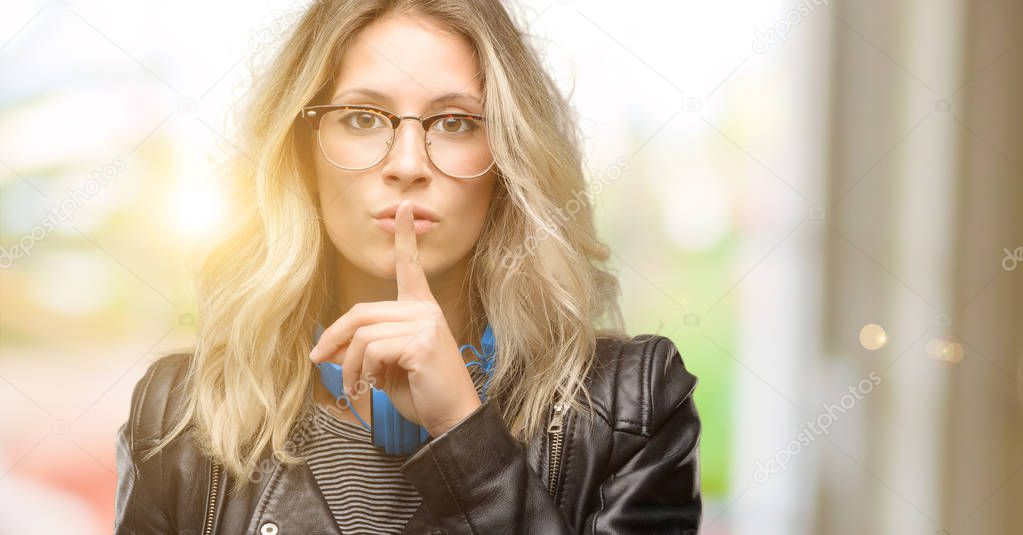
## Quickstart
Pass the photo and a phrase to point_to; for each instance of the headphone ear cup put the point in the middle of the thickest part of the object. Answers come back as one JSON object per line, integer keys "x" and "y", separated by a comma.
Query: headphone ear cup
{"x": 391, "y": 431}
{"x": 330, "y": 376}
{"x": 380, "y": 416}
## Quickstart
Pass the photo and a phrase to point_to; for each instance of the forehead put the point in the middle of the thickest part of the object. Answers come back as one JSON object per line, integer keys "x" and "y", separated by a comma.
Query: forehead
{"x": 410, "y": 58}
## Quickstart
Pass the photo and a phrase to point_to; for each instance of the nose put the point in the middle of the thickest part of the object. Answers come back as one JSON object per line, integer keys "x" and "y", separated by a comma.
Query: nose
{"x": 407, "y": 162}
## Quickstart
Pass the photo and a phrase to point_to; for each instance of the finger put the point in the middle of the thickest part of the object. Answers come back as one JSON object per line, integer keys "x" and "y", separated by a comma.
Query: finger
{"x": 352, "y": 364}
{"x": 408, "y": 272}
{"x": 379, "y": 356}
{"x": 339, "y": 333}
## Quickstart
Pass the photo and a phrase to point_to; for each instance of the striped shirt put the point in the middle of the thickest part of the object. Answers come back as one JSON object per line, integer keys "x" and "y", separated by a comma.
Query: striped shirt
{"x": 363, "y": 487}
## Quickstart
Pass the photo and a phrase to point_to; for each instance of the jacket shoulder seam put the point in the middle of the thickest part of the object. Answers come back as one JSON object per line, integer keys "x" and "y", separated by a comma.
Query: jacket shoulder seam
{"x": 656, "y": 350}
{"x": 165, "y": 370}
{"x": 136, "y": 415}
{"x": 141, "y": 399}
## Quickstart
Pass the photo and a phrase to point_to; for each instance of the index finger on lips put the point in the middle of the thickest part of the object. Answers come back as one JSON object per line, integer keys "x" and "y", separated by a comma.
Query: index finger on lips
{"x": 408, "y": 272}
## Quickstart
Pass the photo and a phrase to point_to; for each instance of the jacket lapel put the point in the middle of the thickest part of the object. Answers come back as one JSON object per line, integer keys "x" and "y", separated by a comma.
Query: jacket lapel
{"x": 293, "y": 502}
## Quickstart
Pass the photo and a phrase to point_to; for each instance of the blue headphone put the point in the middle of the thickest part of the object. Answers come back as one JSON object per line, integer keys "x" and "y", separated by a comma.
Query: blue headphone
{"x": 392, "y": 431}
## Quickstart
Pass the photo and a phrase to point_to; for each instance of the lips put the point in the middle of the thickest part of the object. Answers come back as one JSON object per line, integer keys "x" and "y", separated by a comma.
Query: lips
{"x": 424, "y": 219}
{"x": 389, "y": 224}
{"x": 418, "y": 212}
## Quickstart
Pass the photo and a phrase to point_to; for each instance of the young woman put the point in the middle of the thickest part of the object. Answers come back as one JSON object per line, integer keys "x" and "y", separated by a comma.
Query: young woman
{"x": 410, "y": 187}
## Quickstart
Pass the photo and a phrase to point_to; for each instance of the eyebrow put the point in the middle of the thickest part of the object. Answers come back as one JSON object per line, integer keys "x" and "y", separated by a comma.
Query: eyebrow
{"x": 436, "y": 102}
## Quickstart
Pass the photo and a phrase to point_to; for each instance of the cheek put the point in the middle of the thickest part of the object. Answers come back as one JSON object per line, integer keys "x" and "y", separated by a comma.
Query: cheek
{"x": 344, "y": 215}
{"x": 474, "y": 211}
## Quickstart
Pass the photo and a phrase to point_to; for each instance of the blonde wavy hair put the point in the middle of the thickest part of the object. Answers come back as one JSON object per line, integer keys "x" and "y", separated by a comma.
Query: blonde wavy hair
{"x": 534, "y": 273}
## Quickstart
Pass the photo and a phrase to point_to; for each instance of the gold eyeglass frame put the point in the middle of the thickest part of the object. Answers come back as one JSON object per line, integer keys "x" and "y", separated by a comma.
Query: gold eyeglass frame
{"x": 313, "y": 114}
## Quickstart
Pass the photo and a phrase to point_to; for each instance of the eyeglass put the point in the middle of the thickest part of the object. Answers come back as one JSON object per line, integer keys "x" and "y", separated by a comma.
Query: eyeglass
{"x": 357, "y": 137}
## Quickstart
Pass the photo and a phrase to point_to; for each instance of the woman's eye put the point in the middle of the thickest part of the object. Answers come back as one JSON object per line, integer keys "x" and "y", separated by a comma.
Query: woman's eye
{"x": 361, "y": 120}
{"x": 455, "y": 125}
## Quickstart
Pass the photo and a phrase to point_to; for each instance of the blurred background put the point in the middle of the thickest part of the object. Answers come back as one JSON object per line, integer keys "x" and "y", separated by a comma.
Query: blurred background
{"x": 820, "y": 202}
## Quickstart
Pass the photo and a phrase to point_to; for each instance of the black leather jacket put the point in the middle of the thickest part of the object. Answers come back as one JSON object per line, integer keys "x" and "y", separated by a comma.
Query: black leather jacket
{"x": 635, "y": 470}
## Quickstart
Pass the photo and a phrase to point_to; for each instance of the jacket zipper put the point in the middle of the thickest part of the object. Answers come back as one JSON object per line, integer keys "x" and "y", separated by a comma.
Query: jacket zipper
{"x": 556, "y": 432}
{"x": 211, "y": 500}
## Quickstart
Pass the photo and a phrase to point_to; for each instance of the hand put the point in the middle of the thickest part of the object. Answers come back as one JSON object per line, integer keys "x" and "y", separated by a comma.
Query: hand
{"x": 403, "y": 347}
